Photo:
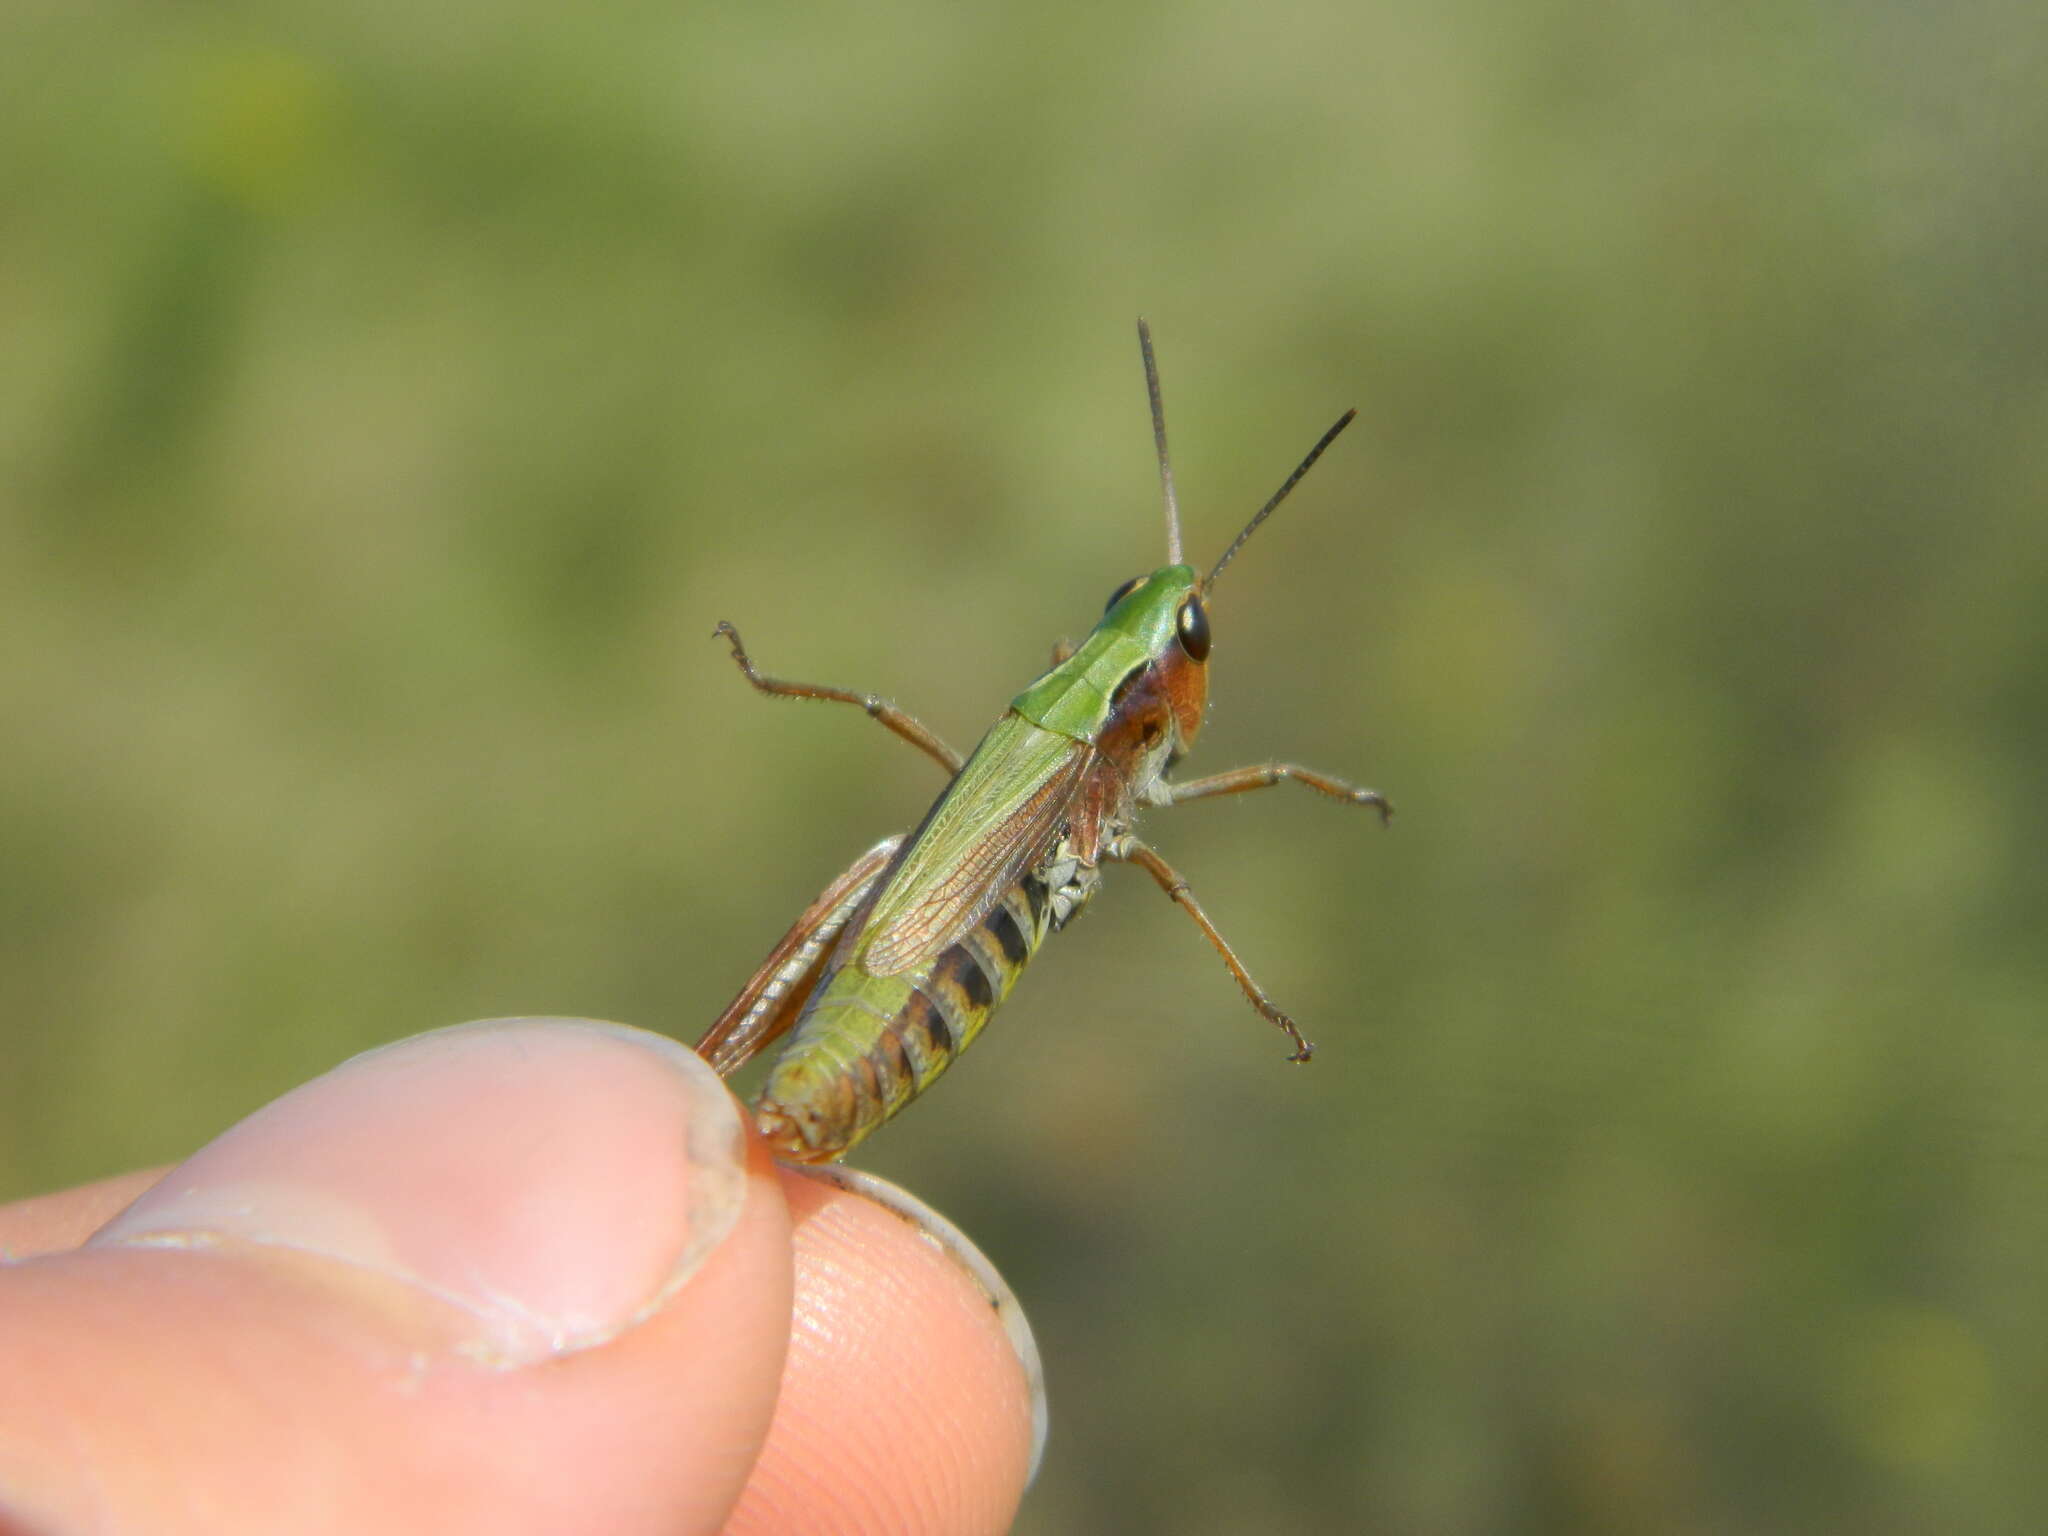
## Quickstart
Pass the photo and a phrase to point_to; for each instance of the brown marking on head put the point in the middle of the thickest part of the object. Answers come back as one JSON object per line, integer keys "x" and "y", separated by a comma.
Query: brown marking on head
{"x": 1163, "y": 701}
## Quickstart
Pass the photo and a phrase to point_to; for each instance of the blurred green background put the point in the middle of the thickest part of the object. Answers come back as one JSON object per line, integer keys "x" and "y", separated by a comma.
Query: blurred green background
{"x": 392, "y": 399}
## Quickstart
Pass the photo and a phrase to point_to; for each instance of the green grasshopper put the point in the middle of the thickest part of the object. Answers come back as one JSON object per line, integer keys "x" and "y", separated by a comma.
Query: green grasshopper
{"x": 898, "y": 964}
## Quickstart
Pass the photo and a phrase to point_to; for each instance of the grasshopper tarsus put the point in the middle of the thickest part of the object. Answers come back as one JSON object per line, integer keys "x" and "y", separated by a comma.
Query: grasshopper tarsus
{"x": 1304, "y": 1048}
{"x": 1377, "y": 801}
{"x": 740, "y": 656}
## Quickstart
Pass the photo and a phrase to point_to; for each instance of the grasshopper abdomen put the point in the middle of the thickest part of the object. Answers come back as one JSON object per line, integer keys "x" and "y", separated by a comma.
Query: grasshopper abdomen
{"x": 866, "y": 1045}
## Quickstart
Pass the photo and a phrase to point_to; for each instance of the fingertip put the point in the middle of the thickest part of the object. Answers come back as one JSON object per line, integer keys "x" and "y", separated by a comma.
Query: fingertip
{"x": 994, "y": 1291}
{"x": 553, "y": 1179}
{"x": 911, "y": 1400}
{"x": 358, "y": 1277}
{"x": 62, "y": 1219}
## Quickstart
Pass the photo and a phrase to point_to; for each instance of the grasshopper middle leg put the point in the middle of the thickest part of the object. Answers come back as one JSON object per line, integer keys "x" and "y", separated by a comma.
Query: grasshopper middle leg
{"x": 1265, "y": 775}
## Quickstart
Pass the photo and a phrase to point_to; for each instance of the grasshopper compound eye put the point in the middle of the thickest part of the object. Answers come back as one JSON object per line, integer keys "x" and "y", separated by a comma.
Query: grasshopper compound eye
{"x": 1121, "y": 593}
{"x": 1193, "y": 625}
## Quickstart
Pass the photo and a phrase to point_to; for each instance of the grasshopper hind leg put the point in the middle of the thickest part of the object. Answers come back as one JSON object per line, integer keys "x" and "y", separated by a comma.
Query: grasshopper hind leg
{"x": 775, "y": 994}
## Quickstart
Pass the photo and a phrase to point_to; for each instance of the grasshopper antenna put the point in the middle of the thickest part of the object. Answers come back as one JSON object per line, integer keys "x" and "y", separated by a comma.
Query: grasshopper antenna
{"x": 1159, "y": 438}
{"x": 1278, "y": 496}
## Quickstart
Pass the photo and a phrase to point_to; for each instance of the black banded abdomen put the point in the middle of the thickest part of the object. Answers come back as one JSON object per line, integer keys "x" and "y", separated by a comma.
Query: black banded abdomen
{"x": 866, "y": 1045}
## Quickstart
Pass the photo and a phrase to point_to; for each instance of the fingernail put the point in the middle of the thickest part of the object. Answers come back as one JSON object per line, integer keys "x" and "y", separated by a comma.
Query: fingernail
{"x": 951, "y": 1241}
{"x": 553, "y": 1181}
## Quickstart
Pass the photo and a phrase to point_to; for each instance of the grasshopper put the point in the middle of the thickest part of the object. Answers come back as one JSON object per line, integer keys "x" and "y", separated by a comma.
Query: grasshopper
{"x": 899, "y": 963}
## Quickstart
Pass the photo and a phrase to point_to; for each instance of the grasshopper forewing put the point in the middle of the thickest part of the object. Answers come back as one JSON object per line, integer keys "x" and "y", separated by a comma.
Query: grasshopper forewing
{"x": 898, "y": 964}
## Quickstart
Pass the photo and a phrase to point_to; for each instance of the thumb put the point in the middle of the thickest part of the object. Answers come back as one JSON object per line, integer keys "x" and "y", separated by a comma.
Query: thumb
{"x": 524, "y": 1275}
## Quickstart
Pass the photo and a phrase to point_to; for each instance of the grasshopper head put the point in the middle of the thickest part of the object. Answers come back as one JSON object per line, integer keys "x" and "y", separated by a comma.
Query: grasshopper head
{"x": 1164, "y": 698}
{"x": 1137, "y": 687}
{"x": 1165, "y": 612}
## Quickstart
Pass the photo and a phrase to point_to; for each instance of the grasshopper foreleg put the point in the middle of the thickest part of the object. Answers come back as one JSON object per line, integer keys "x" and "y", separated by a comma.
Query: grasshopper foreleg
{"x": 901, "y": 721}
{"x": 1265, "y": 775}
{"x": 1131, "y": 851}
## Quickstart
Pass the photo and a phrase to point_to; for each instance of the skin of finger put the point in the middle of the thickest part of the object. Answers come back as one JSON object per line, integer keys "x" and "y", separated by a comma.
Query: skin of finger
{"x": 251, "y": 1388}
{"x": 830, "y": 1463}
{"x": 903, "y": 1407}
{"x": 65, "y": 1218}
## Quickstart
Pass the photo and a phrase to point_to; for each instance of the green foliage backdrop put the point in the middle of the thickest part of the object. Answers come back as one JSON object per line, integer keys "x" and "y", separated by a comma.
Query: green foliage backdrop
{"x": 393, "y": 397}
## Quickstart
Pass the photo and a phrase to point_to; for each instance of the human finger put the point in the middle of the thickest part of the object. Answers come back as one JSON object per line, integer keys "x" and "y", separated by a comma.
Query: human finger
{"x": 523, "y": 1275}
{"x": 912, "y": 1400}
